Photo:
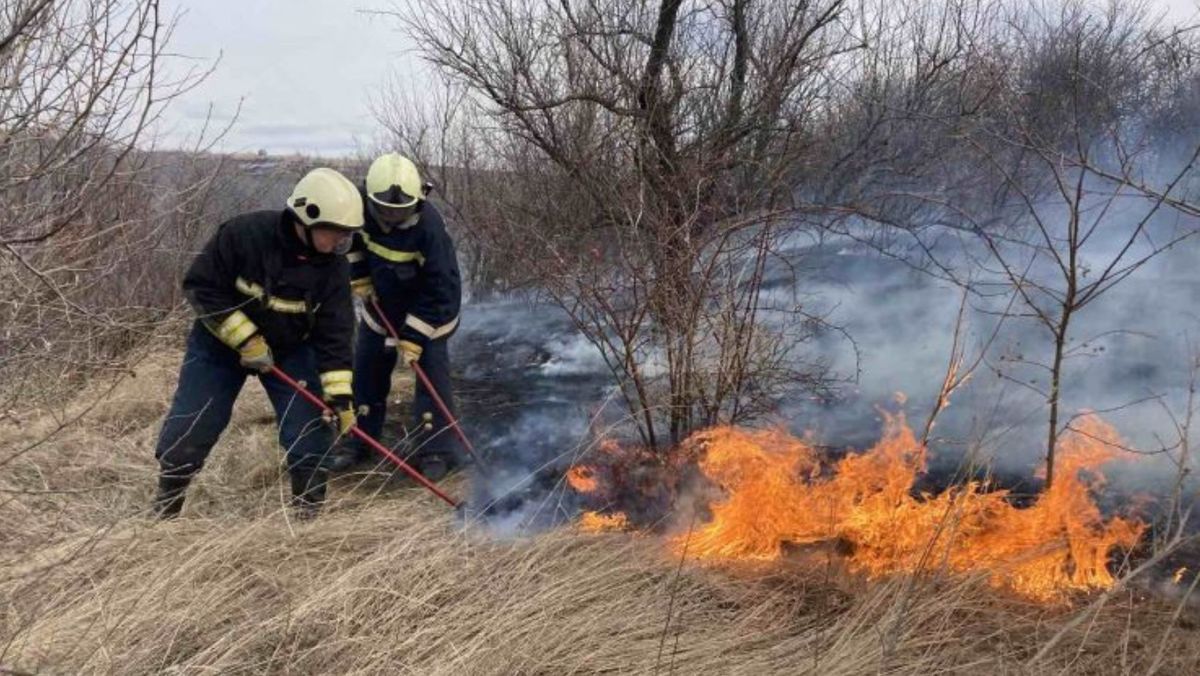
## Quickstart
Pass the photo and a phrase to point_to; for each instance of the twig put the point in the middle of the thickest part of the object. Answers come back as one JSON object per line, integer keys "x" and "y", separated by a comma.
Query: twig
{"x": 662, "y": 639}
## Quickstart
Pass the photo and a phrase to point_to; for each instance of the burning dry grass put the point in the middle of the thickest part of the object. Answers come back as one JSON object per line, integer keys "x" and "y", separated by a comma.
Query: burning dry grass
{"x": 1059, "y": 545}
{"x": 387, "y": 581}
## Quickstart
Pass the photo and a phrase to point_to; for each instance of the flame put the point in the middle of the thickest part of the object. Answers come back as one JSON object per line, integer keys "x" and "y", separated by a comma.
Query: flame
{"x": 1178, "y": 575}
{"x": 774, "y": 493}
{"x": 582, "y": 479}
{"x": 595, "y": 522}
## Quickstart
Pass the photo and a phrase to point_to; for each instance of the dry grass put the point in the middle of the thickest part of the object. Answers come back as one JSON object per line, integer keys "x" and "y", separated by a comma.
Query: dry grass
{"x": 389, "y": 582}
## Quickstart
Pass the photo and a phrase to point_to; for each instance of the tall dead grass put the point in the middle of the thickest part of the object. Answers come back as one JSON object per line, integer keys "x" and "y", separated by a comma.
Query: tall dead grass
{"x": 388, "y": 581}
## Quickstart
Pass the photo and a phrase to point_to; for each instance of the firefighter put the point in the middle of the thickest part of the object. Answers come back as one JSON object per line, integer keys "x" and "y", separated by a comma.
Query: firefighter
{"x": 269, "y": 288}
{"x": 404, "y": 260}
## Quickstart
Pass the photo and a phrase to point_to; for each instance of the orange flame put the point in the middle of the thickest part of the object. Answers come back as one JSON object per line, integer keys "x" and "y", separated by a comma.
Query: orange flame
{"x": 595, "y": 522}
{"x": 582, "y": 479}
{"x": 774, "y": 494}
{"x": 1178, "y": 575}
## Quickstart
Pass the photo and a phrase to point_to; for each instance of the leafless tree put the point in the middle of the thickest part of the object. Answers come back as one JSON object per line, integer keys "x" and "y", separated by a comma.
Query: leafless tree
{"x": 649, "y": 154}
{"x": 1052, "y": 183}
{"x": 84, "y": 202}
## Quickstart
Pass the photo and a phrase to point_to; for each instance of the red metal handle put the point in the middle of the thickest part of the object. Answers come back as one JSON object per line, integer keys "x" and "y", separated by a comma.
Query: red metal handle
{"x": 433, "y": 393}
{"x": 366, "y": 438}
{"x": 437, "y": 399}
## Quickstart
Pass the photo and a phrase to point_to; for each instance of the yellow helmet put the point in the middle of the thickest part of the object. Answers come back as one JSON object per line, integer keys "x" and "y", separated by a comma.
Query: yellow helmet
{"x": 393, "y": 181}
{"x": 325, "y": 198}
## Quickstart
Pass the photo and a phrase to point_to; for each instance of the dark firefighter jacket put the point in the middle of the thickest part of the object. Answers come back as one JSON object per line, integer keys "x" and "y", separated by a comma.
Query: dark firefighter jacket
{"x": 256, "y": 276}
{"x": 414, "y": 272}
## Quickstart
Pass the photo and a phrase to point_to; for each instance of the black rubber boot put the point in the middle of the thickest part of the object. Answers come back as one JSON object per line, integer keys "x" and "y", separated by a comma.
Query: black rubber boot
{"x": 435, "y": 466}
{"x": 380, "y": 465}
{"x": 308, "y": 491}
{"x": 345, "y": 457}
{"x": 171, "y": 492}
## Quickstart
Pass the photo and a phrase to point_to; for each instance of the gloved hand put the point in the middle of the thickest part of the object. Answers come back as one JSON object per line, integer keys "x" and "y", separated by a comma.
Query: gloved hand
{"x": 363, "y": 289}
{"x": 256, "y": 354}
{"x": 409, "y": 352}
{"x": 342, "y": 414}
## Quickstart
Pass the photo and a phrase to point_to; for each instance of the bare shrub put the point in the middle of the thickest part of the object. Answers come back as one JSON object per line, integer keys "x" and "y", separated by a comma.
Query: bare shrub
{"x": 643, "y": 160}
{"x": 89, "y": 225}
{"x": 1034, "y": 164}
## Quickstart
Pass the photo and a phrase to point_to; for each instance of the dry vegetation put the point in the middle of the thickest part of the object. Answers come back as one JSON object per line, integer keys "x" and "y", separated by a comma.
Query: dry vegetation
{"x": 389, "y": 581}
{"x": 755, "y": 121}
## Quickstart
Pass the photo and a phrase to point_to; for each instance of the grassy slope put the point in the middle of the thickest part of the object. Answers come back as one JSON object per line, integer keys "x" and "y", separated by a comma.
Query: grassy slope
{"x": 388, "y": 582}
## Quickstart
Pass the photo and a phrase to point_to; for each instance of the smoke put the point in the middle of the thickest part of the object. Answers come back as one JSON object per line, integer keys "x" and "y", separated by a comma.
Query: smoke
{"x": 891, "y": 315}
{"x": 548, "y": 390}
{"x": 574, "y": 356}
{"x": 1128, "y": 352}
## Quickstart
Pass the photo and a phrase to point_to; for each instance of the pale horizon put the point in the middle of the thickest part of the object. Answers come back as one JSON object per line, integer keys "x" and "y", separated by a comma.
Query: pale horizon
{"x": 303, "y": 73}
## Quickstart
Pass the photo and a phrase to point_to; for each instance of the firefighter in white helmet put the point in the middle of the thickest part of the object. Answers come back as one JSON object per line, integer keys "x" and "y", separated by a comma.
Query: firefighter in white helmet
{"x": 269, "y": 287}
{"x": 404, "y": 260}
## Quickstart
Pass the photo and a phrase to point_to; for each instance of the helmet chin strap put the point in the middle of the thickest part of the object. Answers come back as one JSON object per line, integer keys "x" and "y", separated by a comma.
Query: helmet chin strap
{"x": 341, "y": 249}
{"x": 307, "y": 237}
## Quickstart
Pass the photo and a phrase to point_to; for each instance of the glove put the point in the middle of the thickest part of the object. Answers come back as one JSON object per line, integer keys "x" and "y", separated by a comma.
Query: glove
{"x": 409, "y": 352}
{"x": 256, "y": 354}
{"x": 342, "y": 414}
{"x": 363, "y": 288}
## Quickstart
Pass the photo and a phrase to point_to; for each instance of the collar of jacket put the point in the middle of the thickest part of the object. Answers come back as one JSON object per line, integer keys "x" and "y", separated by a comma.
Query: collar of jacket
{"x": 410, "y": 222}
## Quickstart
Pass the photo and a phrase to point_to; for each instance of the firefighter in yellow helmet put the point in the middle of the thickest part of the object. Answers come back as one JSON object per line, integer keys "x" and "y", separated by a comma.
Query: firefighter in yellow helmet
{"x": 269, "y": 287}
{"x": 404, "y": 260}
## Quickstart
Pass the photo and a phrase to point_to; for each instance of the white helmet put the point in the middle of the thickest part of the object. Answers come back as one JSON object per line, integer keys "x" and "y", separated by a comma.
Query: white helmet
{"x": 325, "y": 198}
{"x": 393, "y": 181}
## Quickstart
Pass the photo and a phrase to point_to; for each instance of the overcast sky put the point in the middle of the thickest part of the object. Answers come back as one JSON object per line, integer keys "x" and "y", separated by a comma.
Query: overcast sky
{"x": 302, "y": 70}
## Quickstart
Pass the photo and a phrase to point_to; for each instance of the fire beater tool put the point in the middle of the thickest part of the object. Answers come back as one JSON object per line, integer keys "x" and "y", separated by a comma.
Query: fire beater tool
{"x": 433, "y": 393}
{"x": 365, "y": 438}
